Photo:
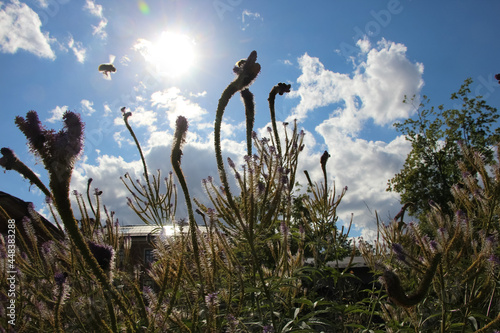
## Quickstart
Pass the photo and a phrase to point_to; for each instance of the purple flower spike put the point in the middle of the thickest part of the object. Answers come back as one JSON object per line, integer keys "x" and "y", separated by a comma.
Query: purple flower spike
{"x": 494, "y": 260}
{"x": 231, "y": 163}
{"x": 60, "y": 278}
{"x": 399, "y": 251}
{"x": 103, "y": 253}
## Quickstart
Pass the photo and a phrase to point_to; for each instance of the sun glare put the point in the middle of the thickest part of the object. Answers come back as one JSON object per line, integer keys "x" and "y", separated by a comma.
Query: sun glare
{"x": 173, "y": 54}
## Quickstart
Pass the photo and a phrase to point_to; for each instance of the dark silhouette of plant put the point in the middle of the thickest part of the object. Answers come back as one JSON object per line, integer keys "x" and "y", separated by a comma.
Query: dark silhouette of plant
{"x": 246, "y": 271}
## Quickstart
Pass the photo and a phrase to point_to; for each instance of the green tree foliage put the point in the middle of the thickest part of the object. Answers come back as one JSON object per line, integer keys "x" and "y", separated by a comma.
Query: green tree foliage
{"x": 431, "y": 169}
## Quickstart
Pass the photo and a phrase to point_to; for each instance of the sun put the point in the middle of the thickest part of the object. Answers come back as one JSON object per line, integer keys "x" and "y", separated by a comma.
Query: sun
{"x": 173, "y": 54}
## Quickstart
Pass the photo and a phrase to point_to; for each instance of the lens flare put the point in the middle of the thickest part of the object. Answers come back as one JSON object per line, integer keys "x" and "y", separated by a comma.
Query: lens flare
{"x": 143, "y": 7}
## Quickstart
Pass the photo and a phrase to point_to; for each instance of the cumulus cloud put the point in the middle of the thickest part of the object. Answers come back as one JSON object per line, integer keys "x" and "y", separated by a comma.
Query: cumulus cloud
{"x": 141, "y": 117}
{"x": 99, "y": 30}
{"x": 198, "y": 163}
{"x": 97, "y": 10}
{"x": 174, "y": 104}
{"x": 20, "y": 29}
{"x": 373, "y": 93}
{"x": 87, "y": 107}
{"x": 57, "y": 113}
{"x": 93, "y": 8}
{"x": 78, "y": 50}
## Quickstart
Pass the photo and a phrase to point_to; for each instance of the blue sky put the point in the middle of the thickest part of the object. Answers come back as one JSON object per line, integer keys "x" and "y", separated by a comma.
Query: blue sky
{"x": 349, "y": 63}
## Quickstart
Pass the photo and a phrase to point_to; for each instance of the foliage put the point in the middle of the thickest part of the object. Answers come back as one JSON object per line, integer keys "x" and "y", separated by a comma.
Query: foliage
{"x": 455, "y": 274}
{"x": 246, "y": 273}
{"x": 431, "y": 169}
{"x": 267, "y": 257}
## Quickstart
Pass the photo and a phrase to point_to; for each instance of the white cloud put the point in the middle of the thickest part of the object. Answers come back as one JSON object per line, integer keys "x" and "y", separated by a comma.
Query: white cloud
{"x": 43, "y": 3}
{"x": 246, "y": 14}
{"x": 107, "y": 110}
{"x": 176, "y": 105}
{"x": 78, "y": 50}
{"x": 142, "y": 117}
{"x": 20, "y": 29}
{"x": 57, "y": 113}
{"x": 200, "y": 94}
{"x": 364, "y": 45}
{"x": 99, "y": 29}
{"x": 97, "y": 10}
{"x": 93, "y": 8}
{"x": 373, "y": 93}
{"x": 87, "y": 107}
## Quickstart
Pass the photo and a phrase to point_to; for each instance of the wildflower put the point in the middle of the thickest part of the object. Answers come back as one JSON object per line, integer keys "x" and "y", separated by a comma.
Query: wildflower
{"x": 283, "y": 88}
{"x": 60, "y": 278}
{"x": 324, "y": 159}
{"x": 267, "y": 329}
{"x": 494, "y": 260}
{"x": 211, "y": 213}
{"x": 231, "y": 163}
{"x": 284, "y": 228}
{"x": 212, "y": 299}
{"x": 210, "y": 178}
{"x": 399, "y": 251}
{"x": 232, "y": 321}
{"x": 125, "y": 114}
{"x": 247, "y": 70}
{"x": 9, "y": 158}
{"x": 104, "y": 254}
{"x": 181, "y": 127}
{"x": 47, "y": 247}
{"x": 434, "y": 245}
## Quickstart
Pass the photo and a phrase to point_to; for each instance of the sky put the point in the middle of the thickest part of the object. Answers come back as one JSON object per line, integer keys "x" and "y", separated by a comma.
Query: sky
{"x": 349, "y": 63}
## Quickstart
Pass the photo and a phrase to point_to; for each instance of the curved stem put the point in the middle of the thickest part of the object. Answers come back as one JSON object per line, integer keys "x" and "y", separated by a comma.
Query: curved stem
{"x": 247, "y": 97}
{"x": 63, "y": 204}
{"x": 271, "y": 99}
{"x": 230, "y": 90}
